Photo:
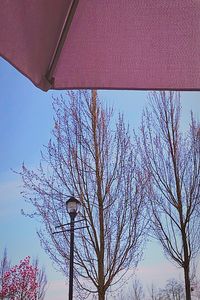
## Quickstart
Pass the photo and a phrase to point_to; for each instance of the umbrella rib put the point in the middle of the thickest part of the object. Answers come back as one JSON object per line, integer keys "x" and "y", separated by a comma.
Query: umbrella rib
{"x": 61, "y": 40}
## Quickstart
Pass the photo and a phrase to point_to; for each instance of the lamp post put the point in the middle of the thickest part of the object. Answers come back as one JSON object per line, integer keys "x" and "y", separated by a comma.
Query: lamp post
{"x": 72, "y": 206}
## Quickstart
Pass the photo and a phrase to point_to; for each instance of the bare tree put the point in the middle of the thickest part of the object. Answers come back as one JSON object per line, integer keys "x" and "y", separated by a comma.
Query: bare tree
{"x": 195, "y": 281}
{"x": 91, "y": 158}
{"x": 173, "y": 290}
{"x": 153, "y": 292}
{"x": 134, "y": 291}
{"x": 4, "y": 267}
{"x": 173, "y": 161}
{"x": 41, "y": 279}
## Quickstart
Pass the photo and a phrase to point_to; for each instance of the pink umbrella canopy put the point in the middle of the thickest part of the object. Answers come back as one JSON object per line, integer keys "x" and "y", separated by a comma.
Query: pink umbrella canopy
{"x": 103, "y": 44}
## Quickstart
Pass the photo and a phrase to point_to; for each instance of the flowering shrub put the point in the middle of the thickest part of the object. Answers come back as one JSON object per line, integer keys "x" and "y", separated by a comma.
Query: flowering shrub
{"x": 20, "y": 282}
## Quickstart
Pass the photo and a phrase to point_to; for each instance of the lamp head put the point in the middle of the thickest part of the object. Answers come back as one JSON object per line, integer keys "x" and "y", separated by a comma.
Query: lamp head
{"x": 72, "y": 206}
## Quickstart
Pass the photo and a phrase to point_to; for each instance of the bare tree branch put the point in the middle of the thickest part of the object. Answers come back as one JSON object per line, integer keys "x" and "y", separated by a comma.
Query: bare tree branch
{"x": 92, "y": 158}
{"x": 173, "y": 161}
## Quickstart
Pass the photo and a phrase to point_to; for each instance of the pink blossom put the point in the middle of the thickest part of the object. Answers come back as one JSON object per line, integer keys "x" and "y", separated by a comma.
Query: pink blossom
{"x": 20, "y": 282}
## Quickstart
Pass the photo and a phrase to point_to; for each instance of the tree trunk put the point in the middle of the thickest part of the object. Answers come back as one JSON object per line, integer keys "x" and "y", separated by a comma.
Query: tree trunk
{"x": 101, "y": 279}
{"x": 186, "y": 266}
{"x": 101, "y": 294}
{"x": 187, "y": 282}
{"x": 186, "y": 263}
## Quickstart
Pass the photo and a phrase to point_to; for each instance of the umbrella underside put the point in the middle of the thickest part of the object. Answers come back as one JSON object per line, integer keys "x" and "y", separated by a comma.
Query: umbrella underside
{"x": 107, "y": 44}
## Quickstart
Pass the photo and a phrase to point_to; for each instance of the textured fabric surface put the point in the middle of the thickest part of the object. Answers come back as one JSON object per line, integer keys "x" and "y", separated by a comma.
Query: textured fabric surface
{"x": 111, "y": 44}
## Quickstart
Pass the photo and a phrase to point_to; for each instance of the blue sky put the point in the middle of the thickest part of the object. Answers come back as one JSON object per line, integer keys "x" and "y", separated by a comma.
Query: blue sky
{"x": 26, "y": 120}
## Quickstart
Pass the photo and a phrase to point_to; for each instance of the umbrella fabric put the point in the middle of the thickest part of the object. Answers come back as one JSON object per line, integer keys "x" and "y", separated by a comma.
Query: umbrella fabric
{"x": 103, "y": 44}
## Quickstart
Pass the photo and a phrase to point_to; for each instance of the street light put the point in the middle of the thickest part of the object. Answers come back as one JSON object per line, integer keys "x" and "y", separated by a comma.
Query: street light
{"x": 72, "y": 206}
